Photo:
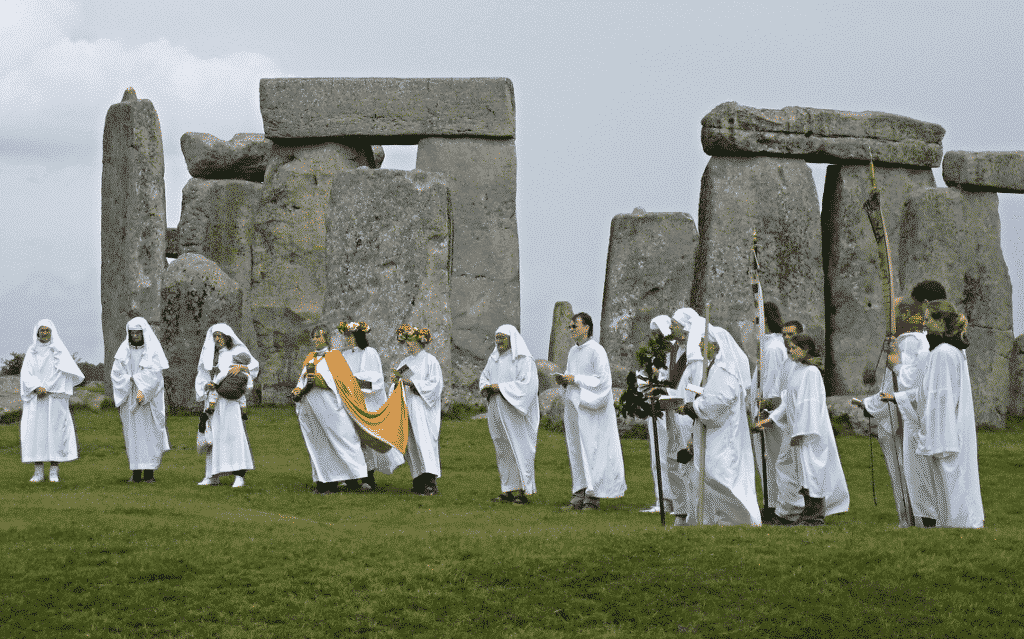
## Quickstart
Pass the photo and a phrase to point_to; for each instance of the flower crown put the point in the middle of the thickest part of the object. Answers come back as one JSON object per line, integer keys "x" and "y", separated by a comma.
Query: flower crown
{"x": 407, "y": 332}
{"x": 351, "y": 327}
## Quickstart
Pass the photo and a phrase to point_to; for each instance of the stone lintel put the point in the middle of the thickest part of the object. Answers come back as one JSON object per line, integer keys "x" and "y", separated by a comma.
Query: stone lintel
{"x": 999, "y": 171}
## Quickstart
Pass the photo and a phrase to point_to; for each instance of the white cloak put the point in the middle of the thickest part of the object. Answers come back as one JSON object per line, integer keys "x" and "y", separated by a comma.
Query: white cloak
{"x": 774, "y": 359}
{"x": 366, "y": 366}
{"x": 812, "y": 459}
{"x": 681, "y": 476}
{"x": 513, "y": 417}
{"x": 47, "y": 431}
{"x": 893, "y": 423}
{"x": 729, "y": 494}
{"x": 947, "y": 442}
{"x": 144, "y": 425}
{"x": 331, "y": 437}
{"x": 423, "y": 450}
{"x": 230, "y": 443}
{"x": 591, "y": 429}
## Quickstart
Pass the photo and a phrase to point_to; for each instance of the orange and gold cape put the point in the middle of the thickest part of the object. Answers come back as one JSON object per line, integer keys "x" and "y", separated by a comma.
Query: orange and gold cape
{"x": 381, "y": 430}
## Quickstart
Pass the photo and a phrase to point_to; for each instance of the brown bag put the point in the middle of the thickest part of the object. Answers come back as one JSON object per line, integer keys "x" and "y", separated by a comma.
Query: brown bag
{"x": 233, "y": 386}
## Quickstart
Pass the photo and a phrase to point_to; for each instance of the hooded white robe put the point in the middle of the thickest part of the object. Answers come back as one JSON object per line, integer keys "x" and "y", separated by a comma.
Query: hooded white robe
{"x": 423, "y": 450}
{"x": 331, "y": 437}
{"x": 591, "y": 429}
{"x": 947, "y": 442}
{"x": 366, "y": 366}
{"x": 812, "y": 459}
{"x": 662, "y": 425}
{"x": 913, "y": 351}
{"x": 680, "y": 434}
{"x": 729, "y": 494}
{"x": 230, "y": 444}
{"x": 141, "y": 369}
{"x": 774, "y": 359}
{"x": 513, "y": 413}
{"x": 47, "y": 432}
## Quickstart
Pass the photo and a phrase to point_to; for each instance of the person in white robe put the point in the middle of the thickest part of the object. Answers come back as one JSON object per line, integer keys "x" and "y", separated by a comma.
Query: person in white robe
{"x": 591, "y": 430}
{"x": 722, "y": 457}
{"x": 509, "y": 384}
{"x": 335, "y": 452}
{"x": 230, "y": 454}
{"x": 812, "y": 484}
{"x": 904, "y": 367}
{"x": 946, "y": 443}
{"x": 681, "y": 476}
{"x": 421, "y": 373}
{"x": 364, "y": 360}
{"x": 137, "y": 379}
{"x": 658, "y": 428}
{"x": 49, "y": 375}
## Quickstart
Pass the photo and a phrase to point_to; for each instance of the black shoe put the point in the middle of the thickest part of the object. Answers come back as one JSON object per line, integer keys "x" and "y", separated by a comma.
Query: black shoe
{"x": 352, "y": 484}
{"x": 147, "y": 476}
{"x": 928, "y": 522}
{"x": 136, "y": 477}
{"x": 504, "y": 497}
{"x": 813, "y": 513}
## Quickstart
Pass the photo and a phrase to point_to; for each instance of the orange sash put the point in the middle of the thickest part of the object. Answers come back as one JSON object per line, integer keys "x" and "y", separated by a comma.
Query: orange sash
{"x": 382, "y": 430}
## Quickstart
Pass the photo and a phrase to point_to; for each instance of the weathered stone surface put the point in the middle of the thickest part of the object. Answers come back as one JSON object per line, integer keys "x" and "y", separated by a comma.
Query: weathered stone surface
{"x": 561, "y": 341}
{"x": 196, "y": 294}
{"x": 821, "y": 135}
{"x": 649, "y": 272}
{"x": 378, "y": 156}
{"x": 283, "y": 336}
{"x": 481, "y": 177}
{"x": 952, "y": 235}
{"x": 777, "y": 197}
{"x": 134, "y": 220}
{"x": 217, "y": 222}
{"x": 172, "y": 248}
{"x": 243, "y": 157}
{"x": 389, "y": 261}
{"x": 10, "y": 396}
{"x": 383, "y": 108}
{"x": 546, "y": 372}
{"x": 1001, "y": 171}
{"x": 551, "y": 405}
{"x": 856, "y": 296}
{"x": 1016, "y": 404}
{"x": 855, "y": 422}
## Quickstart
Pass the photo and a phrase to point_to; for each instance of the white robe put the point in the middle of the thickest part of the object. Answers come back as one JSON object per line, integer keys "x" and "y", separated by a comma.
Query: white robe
{"x": 423, "y": 451}
{"x": 144, "y": 425}
{"x": 513, "y": 417}
{"x": 47, "y": 431}
{"x": 230, "y": 443}
{"x": 947, "y": 442}
{"x": 892, "y": 423}
{"x": 812, "y": 458}
{"x": 729, "y": 494}
{"x": 591, "y": 429}
{"x": 681, "y": 476}
{"x": 775, "y": 361}
{"x": 366, "y": 366}
{"x": 331, "y": 437}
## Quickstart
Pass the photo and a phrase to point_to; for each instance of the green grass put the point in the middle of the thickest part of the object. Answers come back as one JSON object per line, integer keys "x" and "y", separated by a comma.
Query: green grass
{"x": 93, "y": 556}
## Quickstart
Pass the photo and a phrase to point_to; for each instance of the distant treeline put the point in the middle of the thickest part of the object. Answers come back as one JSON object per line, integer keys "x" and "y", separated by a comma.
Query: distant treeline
{"x": 93, "y": 372}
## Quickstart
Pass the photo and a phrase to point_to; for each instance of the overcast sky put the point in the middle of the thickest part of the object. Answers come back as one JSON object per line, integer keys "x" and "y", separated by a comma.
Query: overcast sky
{"x": 609, "y": 98}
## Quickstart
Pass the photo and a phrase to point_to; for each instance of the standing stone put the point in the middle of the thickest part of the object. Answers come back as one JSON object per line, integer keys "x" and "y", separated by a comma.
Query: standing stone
{"x": 561, "y": 342}
{"x": 855, "y": 294}
{"x": 196, "y": 294}
{"x": 821, "y": 135}
{"x": 952, "y": 236}
{"x": 649, "y": 272}
{"x": 134, "y": 220}
{"x": 989, "y": 171}
{"x": 1015, "y": 406}
{"x": 216, "y": 222}
{"x": 777, "y": 197}
{"x": 389, "y": 261}
{"x": 243, "y": 157}
{"x": 288, "y": 239}
{"x": 481, "y": 177}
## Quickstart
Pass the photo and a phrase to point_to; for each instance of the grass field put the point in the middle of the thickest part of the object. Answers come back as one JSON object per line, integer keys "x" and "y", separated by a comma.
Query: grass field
{"x": 95, "y": 557}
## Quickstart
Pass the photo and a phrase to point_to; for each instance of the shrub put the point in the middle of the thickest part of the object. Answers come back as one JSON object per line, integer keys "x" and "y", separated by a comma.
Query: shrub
{"x": 12, "y": 365}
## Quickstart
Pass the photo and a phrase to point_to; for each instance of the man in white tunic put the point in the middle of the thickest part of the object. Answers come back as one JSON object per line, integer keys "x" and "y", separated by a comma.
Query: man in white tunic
{"x": 364, "y": 361}
{"x": 421, "y": 373}
{"x": 49, "y": 375}
{"x": 812, "y": 484}
{"x": 509, "y": 384}
{"x": 331, "y": 438}
{"x": 722, "y": 457}
{"x": 775, "y": 363}
{"x": 591, "y": 430}
{"x": 905, "y": 365}
{"x": 137, "y": 379}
